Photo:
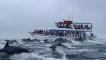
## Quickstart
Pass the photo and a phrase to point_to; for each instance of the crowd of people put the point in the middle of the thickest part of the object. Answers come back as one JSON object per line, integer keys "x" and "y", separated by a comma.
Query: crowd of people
{"x": 83, "y": 26}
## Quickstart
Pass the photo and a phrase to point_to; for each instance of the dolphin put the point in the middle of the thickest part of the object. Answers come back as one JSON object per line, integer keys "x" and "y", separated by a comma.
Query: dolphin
{"x": 11, "y": 50}
{"x": 54, "y": 46}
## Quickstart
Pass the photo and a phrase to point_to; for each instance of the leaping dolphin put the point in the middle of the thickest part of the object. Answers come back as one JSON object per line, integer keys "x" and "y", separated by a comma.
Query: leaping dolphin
{"x": 10, "y": 50}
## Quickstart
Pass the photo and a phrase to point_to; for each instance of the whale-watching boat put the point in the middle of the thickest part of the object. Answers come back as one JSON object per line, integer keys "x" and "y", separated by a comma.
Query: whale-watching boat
{"x": 67, "y": 28}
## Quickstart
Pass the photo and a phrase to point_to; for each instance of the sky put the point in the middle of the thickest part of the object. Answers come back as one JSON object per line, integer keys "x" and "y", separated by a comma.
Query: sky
{"x": 18, "y": 17}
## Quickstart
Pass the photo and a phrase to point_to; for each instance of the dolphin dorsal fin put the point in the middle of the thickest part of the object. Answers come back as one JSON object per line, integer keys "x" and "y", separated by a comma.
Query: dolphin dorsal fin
{"x": 7, "y": 44}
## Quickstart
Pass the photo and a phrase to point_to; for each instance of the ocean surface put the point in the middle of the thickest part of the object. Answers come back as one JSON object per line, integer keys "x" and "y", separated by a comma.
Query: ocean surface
{"x": 74, "y": 50}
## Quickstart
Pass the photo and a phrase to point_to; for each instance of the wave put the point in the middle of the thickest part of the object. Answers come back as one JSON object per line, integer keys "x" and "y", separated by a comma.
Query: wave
{"x": 74, "y": 50}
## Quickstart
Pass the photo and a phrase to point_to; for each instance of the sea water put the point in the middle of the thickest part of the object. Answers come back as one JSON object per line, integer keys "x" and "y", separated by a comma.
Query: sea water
{"x": 87, "y": 50}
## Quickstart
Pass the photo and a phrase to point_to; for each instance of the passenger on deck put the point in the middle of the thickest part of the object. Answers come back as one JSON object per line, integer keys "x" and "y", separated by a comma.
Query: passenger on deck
{"x": 82, "y": 26}
{"x": 85, "y": 26}
{"x": 79, "y": 27}
{"x": 91, "y": 26}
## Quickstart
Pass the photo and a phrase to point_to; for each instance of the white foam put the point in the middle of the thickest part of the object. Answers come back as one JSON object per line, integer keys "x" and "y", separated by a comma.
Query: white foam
{"x": 2, "y": 43}
{"x": 96, "y": 41}
{"x": 75, "y": 42}
{"x": 25, "y": 56}
{"x": 30, "y": 56}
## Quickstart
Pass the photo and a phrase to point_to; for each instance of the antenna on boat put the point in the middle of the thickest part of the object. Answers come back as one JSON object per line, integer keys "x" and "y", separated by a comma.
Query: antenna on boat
{"x": 72, "y": 13}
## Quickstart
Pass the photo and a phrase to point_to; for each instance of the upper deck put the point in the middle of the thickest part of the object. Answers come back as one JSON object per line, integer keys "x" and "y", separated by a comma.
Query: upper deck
{"x": 69, "y": 25}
